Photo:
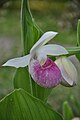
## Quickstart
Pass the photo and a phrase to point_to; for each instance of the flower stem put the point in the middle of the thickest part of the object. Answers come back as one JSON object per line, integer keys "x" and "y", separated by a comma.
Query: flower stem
{"x": 73, "y": 50}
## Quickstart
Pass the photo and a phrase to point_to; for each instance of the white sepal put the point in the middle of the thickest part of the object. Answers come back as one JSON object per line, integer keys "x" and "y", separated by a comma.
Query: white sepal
{"x": 76, "y": 63}
{"x": 68, "y": 70}
{"x": 18, "y": 62}
{"x": 53, "y": 49}
{"x": 46, "y": 37}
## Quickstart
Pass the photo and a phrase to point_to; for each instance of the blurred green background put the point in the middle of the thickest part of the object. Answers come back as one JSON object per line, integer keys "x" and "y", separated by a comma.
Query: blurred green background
{"x": 56, "y": 15}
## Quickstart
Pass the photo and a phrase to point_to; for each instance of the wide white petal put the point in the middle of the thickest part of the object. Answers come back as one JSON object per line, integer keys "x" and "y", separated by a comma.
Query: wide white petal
{"x": 76, "y": 63}
{"x": 43, "y": 40}
{"x": 18, "y": 62}
{"x": 68, "y": 70}
{"x": 53, "y": 49}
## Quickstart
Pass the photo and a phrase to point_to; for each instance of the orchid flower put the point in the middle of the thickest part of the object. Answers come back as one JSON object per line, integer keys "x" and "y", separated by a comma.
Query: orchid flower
{"x": 43, "y": 70}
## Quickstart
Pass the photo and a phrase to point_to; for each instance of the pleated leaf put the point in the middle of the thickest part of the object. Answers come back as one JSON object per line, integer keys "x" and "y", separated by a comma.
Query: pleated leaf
{"x": 22, "y": 79}
{"x": 40, "y": 92}
{"x": 67, "y": 111}
{"x": 19, "y": 105}
{"x": 30, "y": 31}
{"x": 30, "y": 34}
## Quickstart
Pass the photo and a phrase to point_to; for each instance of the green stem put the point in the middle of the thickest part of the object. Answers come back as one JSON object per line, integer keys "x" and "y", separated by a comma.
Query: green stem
{"x": 73, "y": 50}
{"x": 78, "y": 33}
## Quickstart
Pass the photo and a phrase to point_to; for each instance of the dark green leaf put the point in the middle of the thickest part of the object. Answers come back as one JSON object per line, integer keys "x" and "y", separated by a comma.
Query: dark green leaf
{"x": 67, "y": 111}
{"x": 40, "y": 92}
{"x": 22, "y": 80}
{"x": 30, "y": 31}
{"x": 19, "y": 105}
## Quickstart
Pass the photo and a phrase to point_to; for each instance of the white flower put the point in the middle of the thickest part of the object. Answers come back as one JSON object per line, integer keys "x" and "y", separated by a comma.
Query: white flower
{"x": 42, "y": 69}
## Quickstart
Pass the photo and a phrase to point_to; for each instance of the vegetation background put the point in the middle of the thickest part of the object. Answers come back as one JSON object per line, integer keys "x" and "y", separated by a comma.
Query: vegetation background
{"x": 56, "y": 15}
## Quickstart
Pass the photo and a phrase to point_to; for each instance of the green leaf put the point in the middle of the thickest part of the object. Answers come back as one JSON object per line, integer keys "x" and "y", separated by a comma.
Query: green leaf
{"x": 78, "y": 33}
{"x": 67, "y": 111}
{"x": 30, "y": 31}
{"x": 30, "y": 34}
{"x": 40, "y": 92}
{"x": 76, "y": 104}
{"x": 19, "y": 105}
{"x": 22, "y": 79}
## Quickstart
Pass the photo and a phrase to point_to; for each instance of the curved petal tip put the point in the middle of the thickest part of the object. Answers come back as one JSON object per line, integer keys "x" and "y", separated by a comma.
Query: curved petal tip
{"x": 46, "y": 37}
{"x": 18, "y": 62}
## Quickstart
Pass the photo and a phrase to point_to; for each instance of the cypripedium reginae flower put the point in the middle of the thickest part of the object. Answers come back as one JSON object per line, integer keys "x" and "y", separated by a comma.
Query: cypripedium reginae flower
{"x": 43, "y": 70}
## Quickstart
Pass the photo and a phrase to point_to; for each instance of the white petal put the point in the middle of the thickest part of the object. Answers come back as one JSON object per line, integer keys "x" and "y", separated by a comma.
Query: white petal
{"x": 68, "y": 70}
{"x": 18, "y": 62}
{"x": 43, "y": 40}
{"x": 53, "y": 49}
{"x": 76, "y": 63}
